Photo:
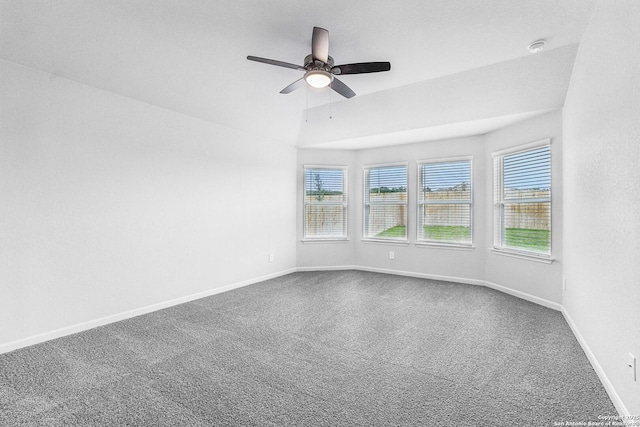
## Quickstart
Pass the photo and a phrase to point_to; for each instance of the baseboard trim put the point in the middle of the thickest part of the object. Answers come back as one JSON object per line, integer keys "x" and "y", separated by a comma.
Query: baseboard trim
{"x": 525, "y": 296}
{"x": 80, "y": 327}
{"x": 327, "y": 268}
{"x": 39, "y": 338}
{"x": 421, "y": 275}
{"x": 518, "y": 294}
{"x": 611, "y": 391}
{"x": 613, "y": 395}
{"x": 68, "y": 330}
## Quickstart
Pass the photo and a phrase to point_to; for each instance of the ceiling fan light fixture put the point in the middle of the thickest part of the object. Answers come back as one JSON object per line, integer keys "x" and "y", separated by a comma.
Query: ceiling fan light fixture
{"x": 318, "y": 78}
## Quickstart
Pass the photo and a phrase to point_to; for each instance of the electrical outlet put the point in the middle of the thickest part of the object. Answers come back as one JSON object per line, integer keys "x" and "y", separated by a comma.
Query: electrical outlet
{"x": 270, "y": 257}
{"x": 633, "y": 362}
{"x": 564, "y": 283}
{"x": 392, "y": 255}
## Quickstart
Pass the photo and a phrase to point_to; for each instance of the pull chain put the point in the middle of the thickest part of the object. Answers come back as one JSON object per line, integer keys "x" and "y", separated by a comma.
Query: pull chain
{"x": 306, "y": 111}
{"x": 330, "y": 90}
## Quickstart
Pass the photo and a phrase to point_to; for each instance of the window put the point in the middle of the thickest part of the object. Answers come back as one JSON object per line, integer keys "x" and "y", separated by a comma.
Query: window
{"x": 325, "y": 202}
{"x": 444, "y": 202}
{"x": 385, "y": 202}
{"x": 522, "y": 199}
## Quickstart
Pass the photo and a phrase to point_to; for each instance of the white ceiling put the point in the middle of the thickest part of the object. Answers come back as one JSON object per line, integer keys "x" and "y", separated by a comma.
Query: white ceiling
{"x": 189, "y": 56}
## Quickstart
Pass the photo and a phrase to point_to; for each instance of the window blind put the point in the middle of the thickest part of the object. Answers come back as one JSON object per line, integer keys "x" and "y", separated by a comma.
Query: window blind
{"x": 522, "y": 200}
{"x": 385, "y": 202}
{"x": 325, "y": 203}
{"x": 445, "y": 202}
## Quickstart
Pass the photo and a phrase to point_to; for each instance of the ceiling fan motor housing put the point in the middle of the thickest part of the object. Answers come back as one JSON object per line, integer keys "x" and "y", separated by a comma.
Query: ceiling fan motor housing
{"x": 310, "y": 64}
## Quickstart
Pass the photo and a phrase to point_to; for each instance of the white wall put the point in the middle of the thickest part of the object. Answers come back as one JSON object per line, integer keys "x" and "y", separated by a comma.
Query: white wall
{"x": 533, "y": 280}
{"x": 464, "y": 264}
{"x": 108, "y": 205}
{"x": 453, "y": 263}
{"x": 326, "y": 254}
{"x": 530, "y": 277}
{"x": 602, "y": 186}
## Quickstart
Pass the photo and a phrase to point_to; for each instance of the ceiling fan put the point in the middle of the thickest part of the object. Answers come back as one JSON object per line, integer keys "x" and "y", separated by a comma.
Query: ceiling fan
{"x": 319, "y": 69}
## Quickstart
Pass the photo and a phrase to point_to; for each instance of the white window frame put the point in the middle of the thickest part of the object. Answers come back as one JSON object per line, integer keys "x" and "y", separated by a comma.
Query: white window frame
{"x": 420, "y": 202}
{"x": 344, "y": 204}
{"x": 499, "y": 202}
{"x": 366, "y": 204}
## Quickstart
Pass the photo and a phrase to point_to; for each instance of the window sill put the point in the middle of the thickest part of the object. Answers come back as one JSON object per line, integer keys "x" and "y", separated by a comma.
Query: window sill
{"x": 386, "y": 242}
{"x": 545, "y": 259}
{"x": 336, "y": 240}
{"x": 457, "y": 247}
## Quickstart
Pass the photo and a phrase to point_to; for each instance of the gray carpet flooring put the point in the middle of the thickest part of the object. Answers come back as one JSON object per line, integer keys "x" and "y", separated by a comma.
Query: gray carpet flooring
{"x": 344, "y": 348}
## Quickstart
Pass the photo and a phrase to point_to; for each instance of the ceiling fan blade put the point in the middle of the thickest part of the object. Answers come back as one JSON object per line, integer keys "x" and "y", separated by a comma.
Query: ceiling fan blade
{"x": 293, "y": 86}
{"x": 342, "y": 88}
{"x": 274, "y": 62}
{"x": 320, "y": 44}
{"x": 361, "y": 68}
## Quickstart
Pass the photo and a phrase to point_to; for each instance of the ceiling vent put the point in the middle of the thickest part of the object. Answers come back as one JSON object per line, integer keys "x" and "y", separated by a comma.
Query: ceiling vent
{"x": 537, "y": 46}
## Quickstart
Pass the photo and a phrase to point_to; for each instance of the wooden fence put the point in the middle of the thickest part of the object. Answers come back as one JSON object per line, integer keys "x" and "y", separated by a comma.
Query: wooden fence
{"x": 326, "y": 218}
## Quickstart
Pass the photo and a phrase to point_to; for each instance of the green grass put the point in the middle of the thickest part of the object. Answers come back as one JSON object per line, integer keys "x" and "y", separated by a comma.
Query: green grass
{"x": 524, "y": 238}
{"x": 447, "y": 233}
{"x": 393, "y": 232}
{"x": 431, "y": 232}
{"x": 517, "y": 238}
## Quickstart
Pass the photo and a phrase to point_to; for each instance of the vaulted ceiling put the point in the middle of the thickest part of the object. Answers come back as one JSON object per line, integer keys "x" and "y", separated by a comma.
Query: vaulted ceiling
{"x": 457, "y": 67}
